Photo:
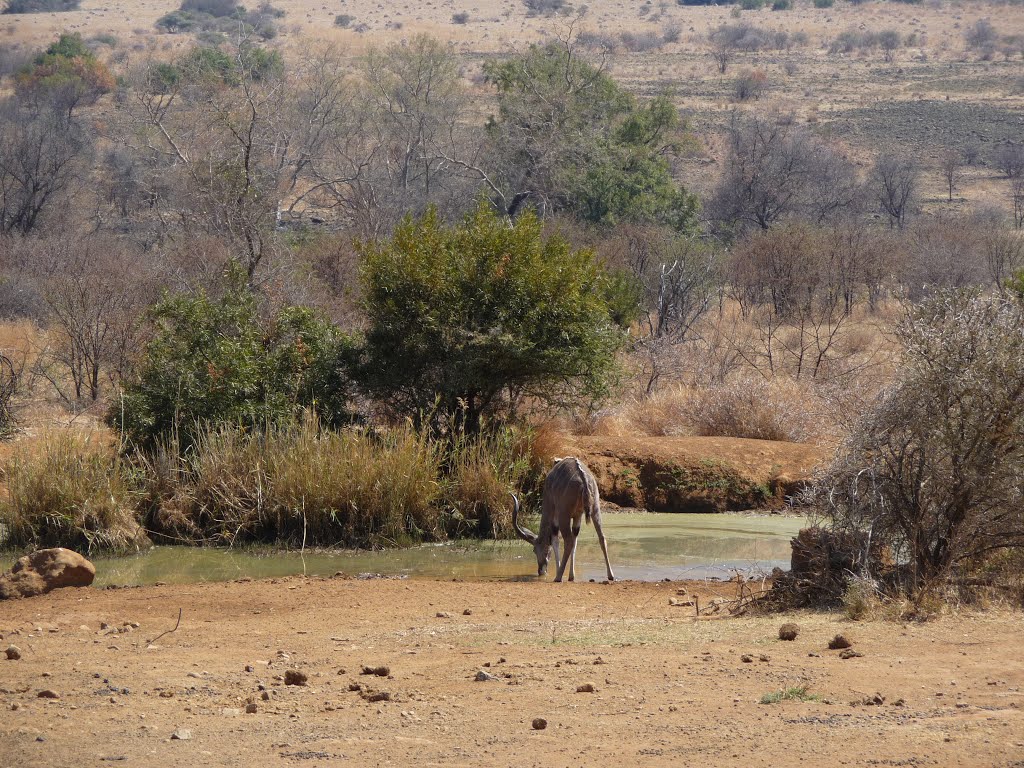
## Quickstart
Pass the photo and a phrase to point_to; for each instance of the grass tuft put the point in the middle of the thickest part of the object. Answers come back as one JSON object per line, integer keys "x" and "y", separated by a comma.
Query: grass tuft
{"x": 790, "y": 694}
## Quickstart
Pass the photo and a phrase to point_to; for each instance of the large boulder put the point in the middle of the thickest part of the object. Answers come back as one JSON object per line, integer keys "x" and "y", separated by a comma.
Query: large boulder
{"x": 44, "y": 570}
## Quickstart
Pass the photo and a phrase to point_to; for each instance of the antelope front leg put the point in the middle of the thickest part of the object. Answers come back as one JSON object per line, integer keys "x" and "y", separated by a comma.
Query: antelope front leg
{"x": 570, "y": 548}
{"x": 569, "y": 558}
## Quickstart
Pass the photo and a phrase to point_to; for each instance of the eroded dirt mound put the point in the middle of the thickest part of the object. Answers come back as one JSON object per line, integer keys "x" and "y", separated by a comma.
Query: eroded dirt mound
{"x": 695, "y": 474}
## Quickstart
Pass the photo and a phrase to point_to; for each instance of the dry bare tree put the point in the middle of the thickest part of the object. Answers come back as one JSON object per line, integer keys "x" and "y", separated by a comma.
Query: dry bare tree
{"x": 1001, "y": 247}
{"x": 774, "y": 170}
{"x": 1017, "y": 201}
{"x": 942, "y": 253}
{"x": 218, "y": 122}
{"x": 794, "y": 286}
{"x": 43, "y": 154}
{"x": 933, "y": 470}
{"x": 1009, "y": 159}
{"x": 894, "y": 181}
{"x": 680, "y": 279}
{"x": 950, "y": 167}
{"x": 96, "y": 289}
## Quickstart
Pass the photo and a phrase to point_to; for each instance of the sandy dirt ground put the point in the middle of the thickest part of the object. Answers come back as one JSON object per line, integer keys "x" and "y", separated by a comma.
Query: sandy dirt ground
{"x": 669, "y": 689}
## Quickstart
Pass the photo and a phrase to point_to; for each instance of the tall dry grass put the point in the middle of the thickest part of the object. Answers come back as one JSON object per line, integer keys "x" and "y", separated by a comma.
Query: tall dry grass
{"x": 298, "y": 484}
{"x": 748, "y": 407}
{"x": 482, "y": 472}
{"x": 734, "y": 379}
{"x": 69, "y": 489}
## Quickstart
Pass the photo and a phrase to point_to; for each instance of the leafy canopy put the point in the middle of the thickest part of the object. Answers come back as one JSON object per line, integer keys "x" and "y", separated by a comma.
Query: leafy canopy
{"x": 571, "y": 137}
{"x": 467, "y": 321}
{"x": 217, "y": 361}
{"x": 67, "y": 72}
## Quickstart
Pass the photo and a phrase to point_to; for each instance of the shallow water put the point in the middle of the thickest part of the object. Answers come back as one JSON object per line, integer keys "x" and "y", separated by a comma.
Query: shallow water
{"x": 646, "y": 547}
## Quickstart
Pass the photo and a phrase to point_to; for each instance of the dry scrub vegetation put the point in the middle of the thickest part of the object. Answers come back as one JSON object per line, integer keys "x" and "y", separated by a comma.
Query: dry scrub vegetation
{"x": 249, "y": 255}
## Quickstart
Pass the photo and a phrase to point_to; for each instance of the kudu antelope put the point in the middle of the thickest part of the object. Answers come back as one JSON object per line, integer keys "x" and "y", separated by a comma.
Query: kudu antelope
{"x": 570, "y": 495}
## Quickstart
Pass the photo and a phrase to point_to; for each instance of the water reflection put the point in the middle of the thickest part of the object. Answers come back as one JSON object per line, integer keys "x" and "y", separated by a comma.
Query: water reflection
{"x": 642, "y": 546}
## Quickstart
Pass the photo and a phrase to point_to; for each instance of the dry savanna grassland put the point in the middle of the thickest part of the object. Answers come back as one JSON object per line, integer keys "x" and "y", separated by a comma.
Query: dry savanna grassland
{"x": 782, "y": 250}
{"x": 614, "y": 671}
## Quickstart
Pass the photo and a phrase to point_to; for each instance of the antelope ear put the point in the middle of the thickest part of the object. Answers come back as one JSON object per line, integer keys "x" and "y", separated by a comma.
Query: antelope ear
{"x": 556, "y": 459}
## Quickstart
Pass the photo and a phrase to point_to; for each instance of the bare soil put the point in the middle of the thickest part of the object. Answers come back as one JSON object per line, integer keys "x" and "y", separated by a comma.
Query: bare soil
{"x": 695, "y": 474}
{"x": 669, "y": 689}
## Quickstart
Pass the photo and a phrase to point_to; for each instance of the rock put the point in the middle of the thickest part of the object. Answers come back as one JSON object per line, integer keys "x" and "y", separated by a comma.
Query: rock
{"x": 251, "y": 708}
{"x": 373, "y": 696}
{"x": 849, "y": 653}
{"x": 381, "y": 671}
{"x": 764, "y": 657}
{"x": 677, "y": 603}
{"x": 182, "y": 734}
{"x": 874, "y": 701}
{"x": 467, "y": 612}
{"x": 355, "y": 687}
{"x": 443, "y": 615}
{"x": 265, "y": 696}
{"x": 483, "y": 677}
{"x": 45, "y": 570}
{"x": 746, "y": 658}
{"x": 13, "y": 653}
{"x": 586, "y": 688}
{"x": 789, "y": 631}
{"x": 837, "y": 642}
{"x": 539, "y": 723}
{"x": 48, "y": 694}
{"x": 295, "y": 677}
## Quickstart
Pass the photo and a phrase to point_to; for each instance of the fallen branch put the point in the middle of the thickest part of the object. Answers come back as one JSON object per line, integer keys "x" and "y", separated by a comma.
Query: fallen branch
{"x": 168, "y": 631}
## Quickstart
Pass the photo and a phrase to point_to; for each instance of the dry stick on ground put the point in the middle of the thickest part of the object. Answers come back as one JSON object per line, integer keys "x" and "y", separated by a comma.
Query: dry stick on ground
{"x": 168, "y": 631}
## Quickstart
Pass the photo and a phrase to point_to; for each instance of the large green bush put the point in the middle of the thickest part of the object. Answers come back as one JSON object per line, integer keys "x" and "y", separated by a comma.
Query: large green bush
{"x": 469, "y": 320}
{"x": 67, "y": 74}
{"x": 218, "y": 361}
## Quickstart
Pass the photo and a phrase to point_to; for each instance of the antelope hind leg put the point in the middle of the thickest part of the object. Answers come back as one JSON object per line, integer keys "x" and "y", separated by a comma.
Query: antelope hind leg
{"x": 596, "y": 519}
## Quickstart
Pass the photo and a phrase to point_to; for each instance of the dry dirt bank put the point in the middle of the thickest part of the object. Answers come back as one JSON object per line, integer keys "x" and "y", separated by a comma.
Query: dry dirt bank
{"x": 670, "y": 690}
{"x": 696, "y": 474}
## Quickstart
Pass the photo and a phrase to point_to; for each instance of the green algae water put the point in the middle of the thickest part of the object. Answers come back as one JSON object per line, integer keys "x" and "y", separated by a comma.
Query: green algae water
{"x": 647, "y": 547}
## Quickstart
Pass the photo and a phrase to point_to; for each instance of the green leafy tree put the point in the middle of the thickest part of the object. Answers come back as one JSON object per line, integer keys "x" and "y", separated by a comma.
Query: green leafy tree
{"x": 568, "y": 137}
{"x": 67, "y": 74}
{"x": 218, "y": 361}
{"x": 468, "y": 321}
